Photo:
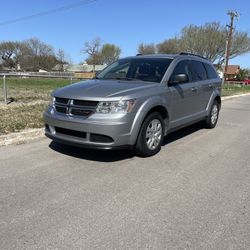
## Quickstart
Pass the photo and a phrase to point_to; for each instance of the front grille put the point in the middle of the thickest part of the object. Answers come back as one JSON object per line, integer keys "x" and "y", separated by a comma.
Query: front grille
{"x": 61, "y": 100}
{"x": 85, "y": 103}
{"x": 70, "y": 132}
{"x": 74, "y": 107}
{"x": 81, "y": 112}
{"x": 61, "y": 109}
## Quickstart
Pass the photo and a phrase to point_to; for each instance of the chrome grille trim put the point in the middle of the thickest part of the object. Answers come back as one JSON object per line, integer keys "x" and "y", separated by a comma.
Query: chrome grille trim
{"x": 72, "y": 109}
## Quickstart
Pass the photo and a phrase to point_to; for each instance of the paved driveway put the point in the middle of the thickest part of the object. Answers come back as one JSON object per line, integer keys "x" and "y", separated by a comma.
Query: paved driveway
{"x": 194, "y": 194}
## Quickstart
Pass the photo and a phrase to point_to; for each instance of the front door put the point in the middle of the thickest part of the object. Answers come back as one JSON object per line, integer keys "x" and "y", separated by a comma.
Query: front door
{"x": 184, "y": 96}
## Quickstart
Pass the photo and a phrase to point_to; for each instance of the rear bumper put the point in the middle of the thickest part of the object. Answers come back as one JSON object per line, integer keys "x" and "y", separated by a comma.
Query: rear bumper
{"x": 117, "y": 131}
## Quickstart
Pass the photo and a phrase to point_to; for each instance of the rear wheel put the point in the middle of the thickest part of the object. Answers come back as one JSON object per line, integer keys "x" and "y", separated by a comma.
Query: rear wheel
{"x": 213, "y": 116}
{"x": 150, "y": 136}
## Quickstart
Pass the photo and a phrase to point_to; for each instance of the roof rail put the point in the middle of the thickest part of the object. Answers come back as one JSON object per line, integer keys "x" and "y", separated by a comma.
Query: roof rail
{"x": 191, "y": 54}
{"x": 139, "y": 54}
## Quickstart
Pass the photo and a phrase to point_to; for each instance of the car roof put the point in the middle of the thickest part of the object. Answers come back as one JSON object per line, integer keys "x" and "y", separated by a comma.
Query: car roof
{"x": 173, "y": 56}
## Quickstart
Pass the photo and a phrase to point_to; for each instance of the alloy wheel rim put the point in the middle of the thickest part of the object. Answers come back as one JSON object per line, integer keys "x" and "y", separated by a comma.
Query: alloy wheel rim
{"x": 153, "y": 134}
{"x": 214, "y": 114}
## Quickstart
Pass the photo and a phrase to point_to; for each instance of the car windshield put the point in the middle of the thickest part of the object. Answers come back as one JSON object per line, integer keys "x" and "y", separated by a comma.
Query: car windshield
{"x": 140, "y": 69}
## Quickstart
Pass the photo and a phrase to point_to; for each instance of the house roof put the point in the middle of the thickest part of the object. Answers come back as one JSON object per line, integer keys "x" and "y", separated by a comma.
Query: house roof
{"x": 233, "y": 69}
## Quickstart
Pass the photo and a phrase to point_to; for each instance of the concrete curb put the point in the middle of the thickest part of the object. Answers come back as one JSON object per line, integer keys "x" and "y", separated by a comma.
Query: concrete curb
{"x": 32, "y": 134}
{"x": 233, "y": 96}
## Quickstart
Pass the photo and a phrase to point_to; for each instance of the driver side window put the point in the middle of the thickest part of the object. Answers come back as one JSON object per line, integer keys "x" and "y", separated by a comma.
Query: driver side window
{"x": 180, "y": 69}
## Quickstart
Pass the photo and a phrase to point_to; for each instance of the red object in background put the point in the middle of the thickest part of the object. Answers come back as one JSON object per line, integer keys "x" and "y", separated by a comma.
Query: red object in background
{"x": 246, "y": 82}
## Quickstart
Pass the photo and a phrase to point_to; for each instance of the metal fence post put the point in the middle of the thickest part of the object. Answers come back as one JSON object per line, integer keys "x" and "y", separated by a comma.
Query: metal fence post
{"x": 5, "y": 89}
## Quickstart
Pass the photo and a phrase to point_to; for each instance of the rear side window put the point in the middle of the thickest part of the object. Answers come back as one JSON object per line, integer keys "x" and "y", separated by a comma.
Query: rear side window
{"x": 182, "y": 68}
{"x": 198, "y": 71}
{"x": 211, "y": 73}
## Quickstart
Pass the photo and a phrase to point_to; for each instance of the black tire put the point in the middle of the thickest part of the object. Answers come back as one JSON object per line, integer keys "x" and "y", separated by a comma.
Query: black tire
{"x": 211, "y": 121}
{"x": 141, "y": 147}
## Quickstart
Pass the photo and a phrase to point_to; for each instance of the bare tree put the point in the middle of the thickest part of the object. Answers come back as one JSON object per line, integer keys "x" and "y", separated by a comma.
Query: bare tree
{"x": 7, "y": 53}
{"x": 208, "y": 40}
{"x": 92, "y": 48}
{"x": 61, "y": 58}
{"x": 170, "y": 46}
{"x": 39, "y": 55}
{"x": 146, "y": 49}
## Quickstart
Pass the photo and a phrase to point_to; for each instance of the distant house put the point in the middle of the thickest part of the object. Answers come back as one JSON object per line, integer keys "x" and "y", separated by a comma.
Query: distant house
{"x": 81, "y": 71}
{"x": 232, "y": 71}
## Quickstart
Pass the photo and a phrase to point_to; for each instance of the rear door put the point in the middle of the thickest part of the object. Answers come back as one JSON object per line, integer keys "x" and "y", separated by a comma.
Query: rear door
{"x": 184, "y": 96}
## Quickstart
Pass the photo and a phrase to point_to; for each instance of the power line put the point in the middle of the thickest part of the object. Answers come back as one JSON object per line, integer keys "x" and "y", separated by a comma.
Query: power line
{"x": 48, "y": 12}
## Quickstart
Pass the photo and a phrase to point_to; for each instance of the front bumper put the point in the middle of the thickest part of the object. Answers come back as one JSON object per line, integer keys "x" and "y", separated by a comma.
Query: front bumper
{"x": 117, "y": 129}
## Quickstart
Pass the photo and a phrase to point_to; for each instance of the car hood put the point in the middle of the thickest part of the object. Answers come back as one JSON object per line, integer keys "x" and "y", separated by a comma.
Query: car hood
{"x": 94, "y": 89}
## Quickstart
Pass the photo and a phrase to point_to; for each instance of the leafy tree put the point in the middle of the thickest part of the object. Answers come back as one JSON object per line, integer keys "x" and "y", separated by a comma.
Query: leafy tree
{"x": 243, "y": 74}
{"x": 109, "y": 53}
{"x": 146, "y": 49}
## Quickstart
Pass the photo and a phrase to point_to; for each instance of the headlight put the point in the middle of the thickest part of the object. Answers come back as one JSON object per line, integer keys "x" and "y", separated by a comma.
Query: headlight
{"x": 52, "y": 101}
{"x": 115, "y": 107}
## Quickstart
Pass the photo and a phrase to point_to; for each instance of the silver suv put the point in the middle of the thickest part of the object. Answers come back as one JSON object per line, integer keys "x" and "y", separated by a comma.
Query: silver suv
{"x": 135, "y": 102}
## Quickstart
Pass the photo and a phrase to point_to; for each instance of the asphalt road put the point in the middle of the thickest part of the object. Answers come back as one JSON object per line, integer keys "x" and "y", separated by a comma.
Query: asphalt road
{"x": 194, "y": 194}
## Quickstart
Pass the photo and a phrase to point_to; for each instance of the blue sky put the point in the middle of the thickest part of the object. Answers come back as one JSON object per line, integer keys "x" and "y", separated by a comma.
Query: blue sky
{"x": 125, "y": 23}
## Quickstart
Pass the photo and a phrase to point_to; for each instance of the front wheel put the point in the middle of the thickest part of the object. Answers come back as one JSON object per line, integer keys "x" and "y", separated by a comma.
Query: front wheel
{"x": 213, "y": 116}
{"x": 150, "y": 136}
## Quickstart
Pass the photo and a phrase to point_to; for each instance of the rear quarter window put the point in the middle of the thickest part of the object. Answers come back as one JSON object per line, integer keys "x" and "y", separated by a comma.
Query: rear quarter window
{"x": 211, "y": 73}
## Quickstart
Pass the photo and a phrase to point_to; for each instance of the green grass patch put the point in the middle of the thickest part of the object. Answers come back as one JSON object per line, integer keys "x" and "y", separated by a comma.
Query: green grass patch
{"x": 30, "y": 89}
{"x": 31, "y": 96}
{"x": 235, "y": 89}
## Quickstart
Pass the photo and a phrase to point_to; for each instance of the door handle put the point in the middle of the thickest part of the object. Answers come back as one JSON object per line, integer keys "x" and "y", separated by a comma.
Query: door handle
{"x": 194, "y": 89}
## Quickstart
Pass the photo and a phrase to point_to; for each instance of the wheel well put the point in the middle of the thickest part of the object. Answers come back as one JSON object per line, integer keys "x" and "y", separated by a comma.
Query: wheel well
{"x": 159, "y": 109}
{"x": 218, "y": 99}
{"x": 163, "y": 112}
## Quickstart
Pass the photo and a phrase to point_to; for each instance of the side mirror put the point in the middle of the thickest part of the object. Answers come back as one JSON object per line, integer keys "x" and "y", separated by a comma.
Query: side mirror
{"x": 181, "y": 78}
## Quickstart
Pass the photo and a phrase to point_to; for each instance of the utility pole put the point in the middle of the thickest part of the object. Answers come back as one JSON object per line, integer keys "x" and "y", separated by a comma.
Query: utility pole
{"x": 232, "y": 15}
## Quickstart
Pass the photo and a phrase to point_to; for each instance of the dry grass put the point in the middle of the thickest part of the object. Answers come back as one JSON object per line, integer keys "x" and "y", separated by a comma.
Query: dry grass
{"x": 31, "y": 96}
{"x": 18, "y": 117}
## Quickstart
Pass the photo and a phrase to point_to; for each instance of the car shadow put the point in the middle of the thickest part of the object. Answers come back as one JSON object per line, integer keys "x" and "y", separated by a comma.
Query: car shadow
{"x": 116, "y": 155}
{"x": 91, "y": 154}
{"x": 181, "y": 133}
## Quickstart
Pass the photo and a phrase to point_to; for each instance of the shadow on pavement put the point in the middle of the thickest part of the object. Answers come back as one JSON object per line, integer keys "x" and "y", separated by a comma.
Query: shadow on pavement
{"x": 181, "y": 133}
{"x": 116, "y": 155}
{"x": 92, "y": 155}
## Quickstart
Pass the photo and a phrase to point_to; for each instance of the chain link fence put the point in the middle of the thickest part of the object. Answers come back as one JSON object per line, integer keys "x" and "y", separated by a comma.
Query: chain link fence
{"x": 25, "y": 87}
